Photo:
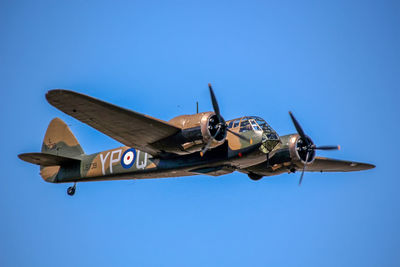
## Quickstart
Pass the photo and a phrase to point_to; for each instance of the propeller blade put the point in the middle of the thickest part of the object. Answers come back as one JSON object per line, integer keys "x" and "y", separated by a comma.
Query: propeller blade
{"x": 298, "y": 128}
{"x": 238, "y": 135}
{"x": 308, "y": 145}
{"x": 304, "y": 168}
{"x": 204, "y": 150}
{"x": 214, "y": 101}
{"x": 327, "y": 147}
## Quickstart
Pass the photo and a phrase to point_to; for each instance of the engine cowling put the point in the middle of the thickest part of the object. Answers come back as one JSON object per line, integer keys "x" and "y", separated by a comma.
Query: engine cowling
{"x": 197, "y": 131}
{"x": 298, "y": 152}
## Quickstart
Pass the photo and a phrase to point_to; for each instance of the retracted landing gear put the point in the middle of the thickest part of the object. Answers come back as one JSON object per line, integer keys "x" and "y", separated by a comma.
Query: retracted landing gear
{"x": 71, "y": 190}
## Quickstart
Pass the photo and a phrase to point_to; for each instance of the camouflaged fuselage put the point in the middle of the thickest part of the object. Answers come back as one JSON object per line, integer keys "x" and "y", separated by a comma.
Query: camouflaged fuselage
{"x": 114, "y": 164}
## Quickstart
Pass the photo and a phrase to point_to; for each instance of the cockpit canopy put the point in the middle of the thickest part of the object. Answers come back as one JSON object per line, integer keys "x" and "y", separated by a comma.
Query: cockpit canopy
{"x": 253, "y": 123}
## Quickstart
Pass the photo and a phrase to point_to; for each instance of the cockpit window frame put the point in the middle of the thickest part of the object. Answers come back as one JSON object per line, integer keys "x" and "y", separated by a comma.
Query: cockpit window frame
{"x": 245, "y": 125}
{"x": 254, "y": 125}
{"x": 259, "y": 124}
{"x": 236, "y": 123}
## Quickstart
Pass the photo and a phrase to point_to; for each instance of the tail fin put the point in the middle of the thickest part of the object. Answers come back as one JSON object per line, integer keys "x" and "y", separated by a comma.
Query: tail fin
{"x": 60, "y": 141}
{"x": 59, "y": 149}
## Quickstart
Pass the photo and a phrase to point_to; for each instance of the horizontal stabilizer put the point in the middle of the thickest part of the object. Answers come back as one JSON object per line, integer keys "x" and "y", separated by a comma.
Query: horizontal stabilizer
{"x": 44, "y": 159}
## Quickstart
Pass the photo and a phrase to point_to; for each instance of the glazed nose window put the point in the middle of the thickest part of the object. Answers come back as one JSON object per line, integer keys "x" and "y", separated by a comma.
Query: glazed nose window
{"x": 255, "y": 125}
{"x": 245, "y": 126}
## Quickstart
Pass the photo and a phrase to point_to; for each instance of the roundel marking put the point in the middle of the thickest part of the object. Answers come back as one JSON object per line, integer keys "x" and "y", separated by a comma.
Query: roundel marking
{"x": 128, "y": 158}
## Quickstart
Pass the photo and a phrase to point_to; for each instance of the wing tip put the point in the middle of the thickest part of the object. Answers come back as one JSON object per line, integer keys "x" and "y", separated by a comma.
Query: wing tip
{"x": 362, "y": 166}
{"x": 369, "y": 166}
{"x": 54, "y": 92}
{"x": 27, "y": 157}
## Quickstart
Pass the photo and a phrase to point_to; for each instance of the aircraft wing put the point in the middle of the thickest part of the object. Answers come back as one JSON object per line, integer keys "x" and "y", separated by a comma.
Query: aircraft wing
{"x": 126, "y": 126}
{"x": 334, "y": 165}
{"x": 320, "y": 164}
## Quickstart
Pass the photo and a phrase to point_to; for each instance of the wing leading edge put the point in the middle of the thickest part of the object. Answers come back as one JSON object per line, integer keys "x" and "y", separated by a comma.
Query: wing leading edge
{"x": 126, "y": 126}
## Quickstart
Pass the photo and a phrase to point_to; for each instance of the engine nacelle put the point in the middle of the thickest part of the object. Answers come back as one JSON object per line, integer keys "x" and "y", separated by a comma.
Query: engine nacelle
{"x": 197, "y": 131}
{"x": 297, "y": 152}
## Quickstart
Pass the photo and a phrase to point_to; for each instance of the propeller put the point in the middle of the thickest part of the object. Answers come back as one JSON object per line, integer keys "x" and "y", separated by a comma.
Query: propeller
{"x": 221, "y": 126}
{"x": 307, "y": 146}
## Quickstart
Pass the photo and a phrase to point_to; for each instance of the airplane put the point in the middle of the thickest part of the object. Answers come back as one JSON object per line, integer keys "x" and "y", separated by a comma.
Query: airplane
{"x": 198, "y": 144}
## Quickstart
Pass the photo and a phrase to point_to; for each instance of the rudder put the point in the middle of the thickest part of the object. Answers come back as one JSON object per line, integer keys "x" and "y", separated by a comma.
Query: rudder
{"x": 60, "y": 141}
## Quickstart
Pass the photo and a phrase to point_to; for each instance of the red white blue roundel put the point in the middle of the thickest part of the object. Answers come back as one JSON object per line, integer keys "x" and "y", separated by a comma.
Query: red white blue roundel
{"x": 128, "y": 158}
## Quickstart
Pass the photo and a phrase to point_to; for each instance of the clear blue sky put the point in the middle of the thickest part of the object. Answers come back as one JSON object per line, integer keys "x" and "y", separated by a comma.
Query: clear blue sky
{"x": 335, "y": 64}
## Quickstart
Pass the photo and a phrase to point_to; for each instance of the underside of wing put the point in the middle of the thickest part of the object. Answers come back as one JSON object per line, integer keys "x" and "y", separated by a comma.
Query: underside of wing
{"x": 126, "y": 126}
{"x": 321, "y": 164}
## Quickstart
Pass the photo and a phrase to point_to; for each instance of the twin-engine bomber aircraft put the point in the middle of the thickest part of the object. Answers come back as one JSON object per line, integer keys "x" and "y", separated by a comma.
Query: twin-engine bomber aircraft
{"x": 202, "y": 143}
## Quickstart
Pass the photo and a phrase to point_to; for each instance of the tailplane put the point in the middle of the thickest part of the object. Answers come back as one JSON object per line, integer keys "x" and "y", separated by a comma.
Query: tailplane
{"x": 45, "y": 160}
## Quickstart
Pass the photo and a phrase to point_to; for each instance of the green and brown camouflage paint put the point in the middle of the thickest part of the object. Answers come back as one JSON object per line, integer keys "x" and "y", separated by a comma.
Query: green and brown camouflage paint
{"x": 107, "y": 165}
